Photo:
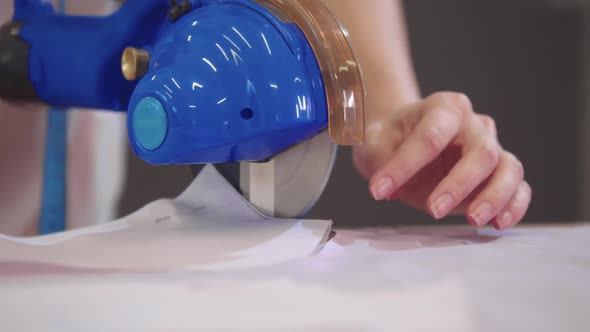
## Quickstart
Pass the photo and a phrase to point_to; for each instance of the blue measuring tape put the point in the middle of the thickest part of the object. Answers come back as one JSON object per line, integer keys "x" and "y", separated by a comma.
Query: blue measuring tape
{"x": 54, "y": 199}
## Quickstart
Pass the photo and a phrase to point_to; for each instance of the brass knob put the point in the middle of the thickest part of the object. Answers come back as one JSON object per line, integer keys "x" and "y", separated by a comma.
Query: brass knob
{"x": 134, "y": 63}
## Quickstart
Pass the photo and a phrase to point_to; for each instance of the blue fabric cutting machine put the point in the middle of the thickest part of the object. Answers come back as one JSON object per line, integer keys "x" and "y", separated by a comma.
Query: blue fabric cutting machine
{"x": 271, "y": 85}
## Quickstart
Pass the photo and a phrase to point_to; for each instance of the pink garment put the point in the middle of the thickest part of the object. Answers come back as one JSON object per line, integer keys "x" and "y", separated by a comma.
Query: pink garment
{"x": 96, "y": 155}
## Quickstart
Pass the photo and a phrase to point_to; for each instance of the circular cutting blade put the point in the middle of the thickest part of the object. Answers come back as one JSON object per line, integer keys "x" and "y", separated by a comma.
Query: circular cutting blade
{"x": 291, "y": 183}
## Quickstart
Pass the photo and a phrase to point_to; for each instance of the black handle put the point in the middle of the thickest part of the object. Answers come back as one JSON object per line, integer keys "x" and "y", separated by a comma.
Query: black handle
{"x": 14, "y": 65}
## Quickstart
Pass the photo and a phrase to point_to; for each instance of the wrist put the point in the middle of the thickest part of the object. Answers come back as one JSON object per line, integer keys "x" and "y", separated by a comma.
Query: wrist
{"x": 389, "y": 91}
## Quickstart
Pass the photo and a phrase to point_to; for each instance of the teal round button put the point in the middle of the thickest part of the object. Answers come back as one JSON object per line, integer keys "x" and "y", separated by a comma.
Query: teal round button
{"x": 150, "y": 123}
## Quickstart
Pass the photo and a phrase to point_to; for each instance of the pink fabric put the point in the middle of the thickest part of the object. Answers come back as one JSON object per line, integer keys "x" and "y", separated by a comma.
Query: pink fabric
{"x": 22, "y": 132}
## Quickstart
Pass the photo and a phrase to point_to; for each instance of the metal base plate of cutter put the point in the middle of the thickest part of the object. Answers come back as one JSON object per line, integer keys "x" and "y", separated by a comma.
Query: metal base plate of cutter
{"x": 288, "y": 185}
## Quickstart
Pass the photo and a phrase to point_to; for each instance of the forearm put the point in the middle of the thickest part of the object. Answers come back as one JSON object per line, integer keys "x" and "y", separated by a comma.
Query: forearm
{"x": 378, "y": 32}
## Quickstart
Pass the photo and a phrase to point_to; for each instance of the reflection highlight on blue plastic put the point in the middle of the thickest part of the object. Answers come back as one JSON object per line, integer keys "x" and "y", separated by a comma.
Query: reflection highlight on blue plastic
{"x": 150, "y": 123}
{"x": 237, "y": 84}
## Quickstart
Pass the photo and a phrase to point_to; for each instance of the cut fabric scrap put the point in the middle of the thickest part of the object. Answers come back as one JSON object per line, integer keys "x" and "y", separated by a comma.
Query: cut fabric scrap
{"x": 209, "y": 227}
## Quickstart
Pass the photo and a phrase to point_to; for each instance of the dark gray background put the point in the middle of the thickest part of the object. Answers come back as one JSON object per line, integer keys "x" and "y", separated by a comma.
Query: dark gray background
{"x": 518, "y": 60}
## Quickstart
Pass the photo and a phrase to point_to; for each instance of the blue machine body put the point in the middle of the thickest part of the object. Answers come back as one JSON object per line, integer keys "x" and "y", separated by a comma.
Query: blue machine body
{"x": 75, "y": 61}
{"x": 227, "y": 82}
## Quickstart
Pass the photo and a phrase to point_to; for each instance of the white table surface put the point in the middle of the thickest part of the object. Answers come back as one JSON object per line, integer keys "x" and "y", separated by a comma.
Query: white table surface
{"x": 389, "y": 279}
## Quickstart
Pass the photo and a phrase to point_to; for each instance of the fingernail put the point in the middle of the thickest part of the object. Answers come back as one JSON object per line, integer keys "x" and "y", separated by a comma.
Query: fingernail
{"x": 382, "y": 188}
{"x": 442, "y": 206}
{"x": 505, "y": 220}
{"x": 482, "y": 214}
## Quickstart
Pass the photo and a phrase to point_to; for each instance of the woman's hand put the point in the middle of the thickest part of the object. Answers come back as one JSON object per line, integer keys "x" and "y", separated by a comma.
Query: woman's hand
{"x": 438, "y": 155}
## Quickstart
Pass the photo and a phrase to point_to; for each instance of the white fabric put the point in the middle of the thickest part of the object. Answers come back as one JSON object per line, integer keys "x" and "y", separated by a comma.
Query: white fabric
{"x": 209, "y": 227}
{"x": 397, "y": 279}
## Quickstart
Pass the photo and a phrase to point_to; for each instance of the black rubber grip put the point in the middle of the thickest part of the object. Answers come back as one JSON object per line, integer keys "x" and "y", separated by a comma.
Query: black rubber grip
{"x": 14, "y": 65}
